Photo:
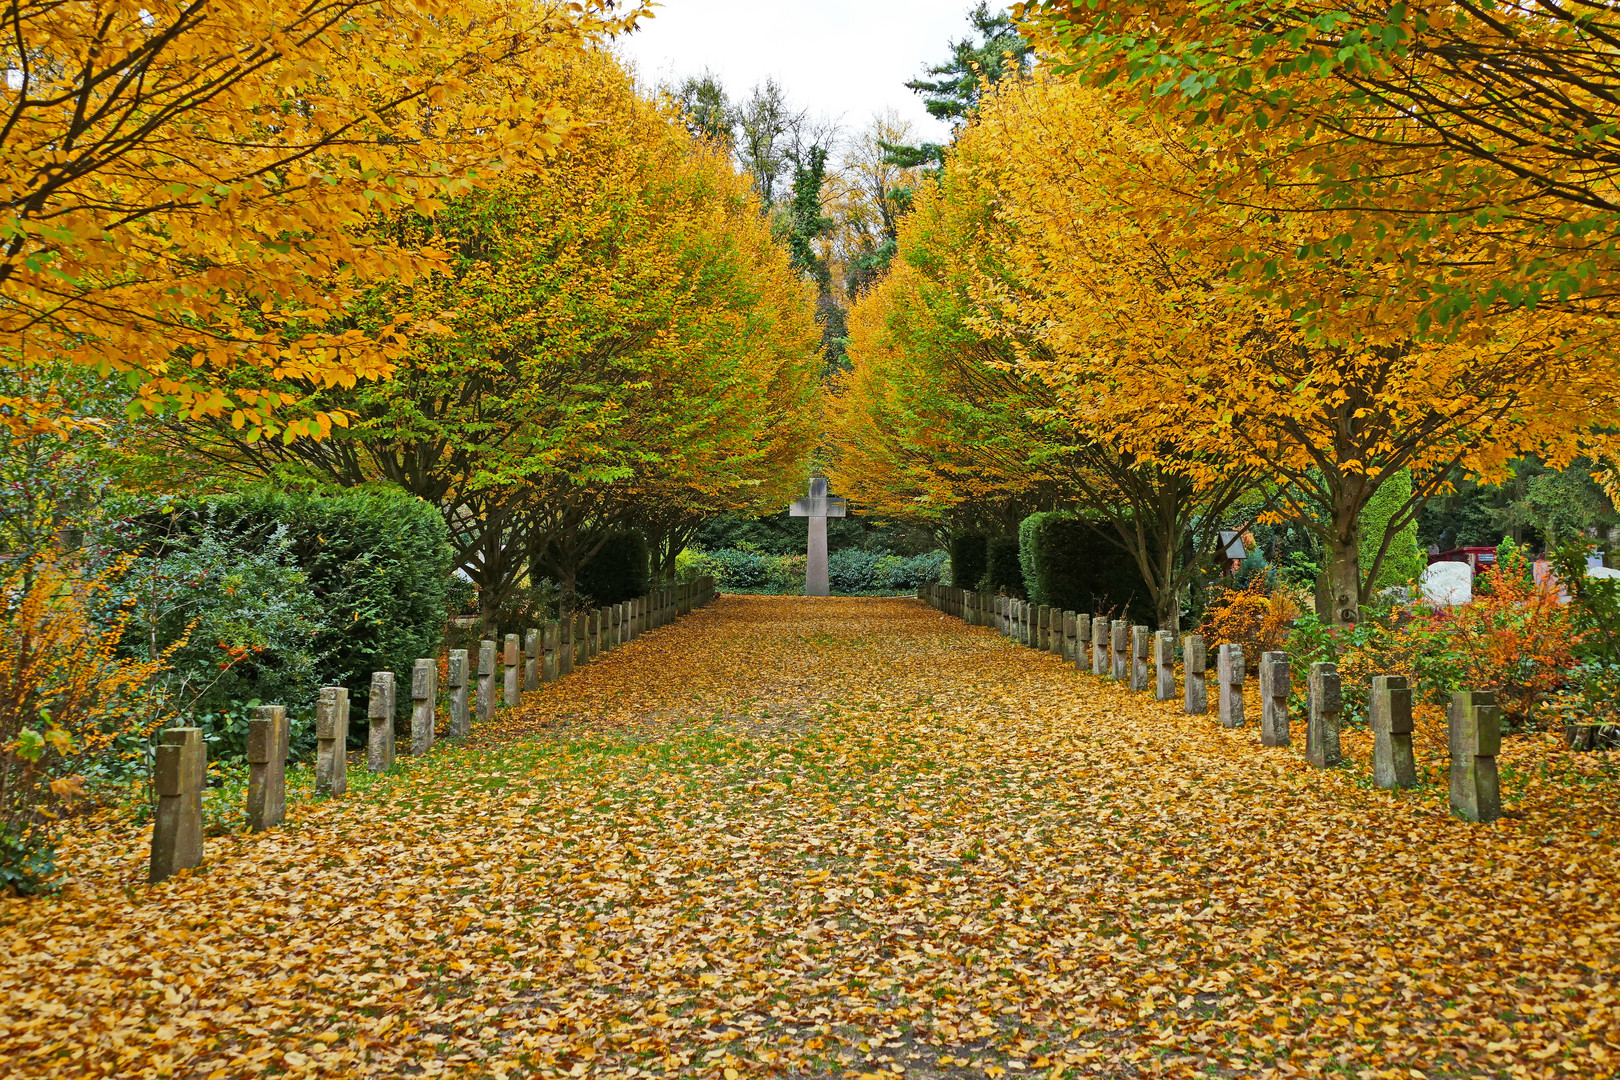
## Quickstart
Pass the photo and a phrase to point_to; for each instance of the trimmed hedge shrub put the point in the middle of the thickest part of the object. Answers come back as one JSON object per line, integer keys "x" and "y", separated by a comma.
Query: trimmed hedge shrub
{"x": 1068, "y": 566}
{"x": 970, "y": 555}
{"x": 1002, "y": 569}
{"x": 377, "y": 563}
{"x": 848, "y": 571}
{"x": 619, "y": 570}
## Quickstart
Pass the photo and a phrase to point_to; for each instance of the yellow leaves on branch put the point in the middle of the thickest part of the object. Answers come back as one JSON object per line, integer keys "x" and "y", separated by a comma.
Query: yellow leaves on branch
{"x": 191, "y": 192}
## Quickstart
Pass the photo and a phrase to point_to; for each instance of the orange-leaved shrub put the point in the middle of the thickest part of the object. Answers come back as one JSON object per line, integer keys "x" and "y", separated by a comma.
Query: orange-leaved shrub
{"x": 69, "y": 704}
{"x": 1255, "y": 617}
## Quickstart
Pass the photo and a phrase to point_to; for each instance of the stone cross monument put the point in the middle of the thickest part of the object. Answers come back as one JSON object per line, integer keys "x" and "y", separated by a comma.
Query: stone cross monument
{"x": 818, "y": 508}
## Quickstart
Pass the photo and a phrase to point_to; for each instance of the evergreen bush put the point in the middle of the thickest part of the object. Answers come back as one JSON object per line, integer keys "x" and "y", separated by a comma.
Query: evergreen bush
{"x": 376, "y": 563}
{"x": 1069, "y": 566}
{"x": 969, "y": 557}
{"x": 1002, "y": 569}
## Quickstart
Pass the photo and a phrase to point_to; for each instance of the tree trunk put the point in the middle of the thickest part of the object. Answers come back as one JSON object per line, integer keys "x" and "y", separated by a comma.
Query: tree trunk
{"x": 1344, "y": 569}
{"x": 567, "y": 575}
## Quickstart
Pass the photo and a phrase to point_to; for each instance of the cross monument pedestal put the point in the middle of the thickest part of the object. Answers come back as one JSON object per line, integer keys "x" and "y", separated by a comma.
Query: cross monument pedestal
{"x": 818, "y": 508}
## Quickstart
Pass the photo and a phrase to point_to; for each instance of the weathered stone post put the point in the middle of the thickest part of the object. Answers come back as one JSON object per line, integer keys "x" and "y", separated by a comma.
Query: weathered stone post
{"x": 1139, "y": 658}
{"x": 1322, "y": 727}
{"x": 1062, "y": 632}
{"x": 1065, "y": 647}
{"x": 1229, "y": 670}
{"x": 1164, "y": 663}
{"x": 1082, "y": 641}
{"x": 593, "y": 634}
{"x": 485, "y": 699}
{"x": 1390, "y": 717}
{"x": 615, "y": 626}
{"x": 1099, "y": 645}
{"x": 514, "y": 673}
{"x": 380, "y": 713}
{"x": 267, "y": 767}
{"x": 331, "y": 741}
{"x": 1475, "y": 735}
{"x": 565, "y": 646}
{"x": 1276, "y": 683}
{"x": 1193, "y": 670}
{"x": 531, "y": 660}
{"x": 548, "y": 655}
{"x": 1119, "y": 644}
{"x": 424, "y": 705}
{"x": 1043, "y": 627}
{"x": 455, "y": 678}
{"x": 179, "y": 771}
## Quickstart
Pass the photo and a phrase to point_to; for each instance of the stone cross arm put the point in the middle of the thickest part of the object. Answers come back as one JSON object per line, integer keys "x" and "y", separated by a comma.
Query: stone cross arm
{"x": 817, "y": 504}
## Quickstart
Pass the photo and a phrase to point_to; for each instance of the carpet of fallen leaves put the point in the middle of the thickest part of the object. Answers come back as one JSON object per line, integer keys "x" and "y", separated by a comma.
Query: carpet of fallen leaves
{"x": 847, "y": 837}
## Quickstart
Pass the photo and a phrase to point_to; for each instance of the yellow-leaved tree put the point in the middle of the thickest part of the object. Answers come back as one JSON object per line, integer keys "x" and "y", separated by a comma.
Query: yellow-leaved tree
{"x": 193, "y": 190}
{"x": 1117, "y": 291}
{"x": 614, "y": 339}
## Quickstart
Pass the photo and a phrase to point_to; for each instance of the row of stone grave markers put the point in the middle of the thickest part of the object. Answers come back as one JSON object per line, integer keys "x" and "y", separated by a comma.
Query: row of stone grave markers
{"x": 504, "y": 672}
{"x": 1144, "y": 659}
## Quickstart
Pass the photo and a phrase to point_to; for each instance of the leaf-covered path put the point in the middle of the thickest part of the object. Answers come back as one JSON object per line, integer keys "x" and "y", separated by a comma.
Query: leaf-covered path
{"x": 840, "y": 837}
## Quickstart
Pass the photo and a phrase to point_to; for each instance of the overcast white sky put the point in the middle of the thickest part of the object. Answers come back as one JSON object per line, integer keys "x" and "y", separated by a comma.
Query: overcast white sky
{"x": 846, "y": 59}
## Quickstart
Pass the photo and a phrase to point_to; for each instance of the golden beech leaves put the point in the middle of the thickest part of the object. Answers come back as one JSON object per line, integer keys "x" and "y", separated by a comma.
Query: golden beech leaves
{"x": 844, "y": 837}
{"x": 191, "y": 191}
{"x": 1065, "y": 242}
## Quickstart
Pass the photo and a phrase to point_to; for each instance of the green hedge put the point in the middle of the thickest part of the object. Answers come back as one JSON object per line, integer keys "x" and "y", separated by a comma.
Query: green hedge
{"x": 1003, "y": 572}
{"x": 377, "y": 563}
{"x": 850, "y": 570}
{"x": 970, "y": 555}
{"x": 1068, "y": 566}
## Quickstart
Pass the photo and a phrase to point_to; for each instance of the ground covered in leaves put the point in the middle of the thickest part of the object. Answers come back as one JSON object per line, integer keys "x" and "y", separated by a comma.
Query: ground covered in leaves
{"x": 846, "y": 837}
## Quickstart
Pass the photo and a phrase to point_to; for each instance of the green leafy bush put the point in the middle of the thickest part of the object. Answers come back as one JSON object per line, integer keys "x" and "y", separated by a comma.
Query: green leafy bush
{"x": 1068, "y": 565}
{"x": 247, "y": 617}
{"x": 848, "y": 571}
{"x": 852, "y": 570}
{"x": 376, "y": 562}
{"x": 970, "y": 553}
{"x": 1003, "y": 572}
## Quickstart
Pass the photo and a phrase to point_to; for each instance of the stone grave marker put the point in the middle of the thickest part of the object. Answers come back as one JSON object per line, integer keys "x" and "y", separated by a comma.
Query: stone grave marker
{"x": 456, "y": 679}
{"x": 817, "y": 507}
{"x": 1229, "y": 672}
{"x": 179, "y": 773}
{"x": 1082, "y": 641}
{"x": 1065, "y": 647}
{"x": 1164, "y": 663}
{"x": 267, "y": 767}
{"x": 531, "y": 660}
{"x": 548, "y": 657}
{"x": 1193, "y": 674}
{"x": 380, "y": 714}
{"x": 1140, "y": 672}
{"x": 1276, "y": 683}
{"x": 1474, "y": 731}
{"x": 331, "y": 741}
{"x": 484, "y": 701}
{"x": 424, "y": 705}
{"x": 1390, "y": 717}
{"x": 1322, "y": 727}
{"x": 1119, "y": 645}
{"x": 514, "y": 673}
{"x": 1099, "y": 645}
